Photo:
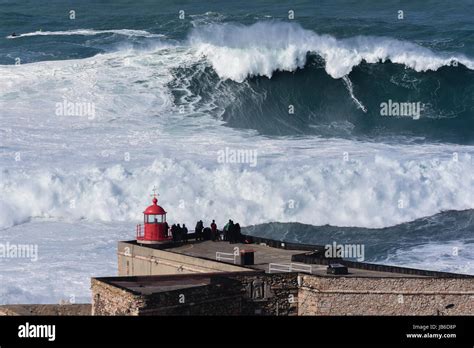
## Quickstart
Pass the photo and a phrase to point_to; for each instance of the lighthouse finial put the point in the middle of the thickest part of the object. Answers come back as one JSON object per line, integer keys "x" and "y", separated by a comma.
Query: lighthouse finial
{"x": 154, "y": 195}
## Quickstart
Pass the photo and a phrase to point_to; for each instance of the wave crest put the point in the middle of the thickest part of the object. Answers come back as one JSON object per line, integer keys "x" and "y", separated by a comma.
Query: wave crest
{"x": 237, "y": 51}
{"x": 87, "y": 32}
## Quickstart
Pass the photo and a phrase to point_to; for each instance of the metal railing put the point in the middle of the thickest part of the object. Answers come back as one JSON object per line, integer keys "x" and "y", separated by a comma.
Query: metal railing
{"x": 226, "y": 257}
{"x": 289, "y": 267}
{"x": 140, "y": 232}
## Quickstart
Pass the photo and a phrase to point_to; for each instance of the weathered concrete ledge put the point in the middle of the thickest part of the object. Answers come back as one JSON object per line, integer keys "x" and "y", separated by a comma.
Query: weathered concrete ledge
{"x": 46, "y": 309}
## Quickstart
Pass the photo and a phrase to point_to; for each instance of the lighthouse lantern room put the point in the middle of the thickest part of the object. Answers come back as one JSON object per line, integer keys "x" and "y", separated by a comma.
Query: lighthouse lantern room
{"x": 155, "y": 227}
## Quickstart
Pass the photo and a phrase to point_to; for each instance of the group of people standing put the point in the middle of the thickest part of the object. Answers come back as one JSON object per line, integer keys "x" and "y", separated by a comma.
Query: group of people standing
{"x": 231, "y": 232}
{"x": 178, "y": 233}
{"x": 206, "y": 233}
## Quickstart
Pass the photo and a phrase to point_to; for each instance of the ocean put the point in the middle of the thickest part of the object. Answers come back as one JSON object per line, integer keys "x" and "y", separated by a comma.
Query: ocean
{"x": 310, "y": 121}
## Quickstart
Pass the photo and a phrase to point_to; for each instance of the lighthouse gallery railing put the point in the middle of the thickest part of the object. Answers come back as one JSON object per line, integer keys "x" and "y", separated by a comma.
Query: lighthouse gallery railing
{"x": 140, "y": 231}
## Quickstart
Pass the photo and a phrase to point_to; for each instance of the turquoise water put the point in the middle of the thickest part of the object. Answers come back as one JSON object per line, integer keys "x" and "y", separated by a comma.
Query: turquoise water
{"x": 324, "y": 107}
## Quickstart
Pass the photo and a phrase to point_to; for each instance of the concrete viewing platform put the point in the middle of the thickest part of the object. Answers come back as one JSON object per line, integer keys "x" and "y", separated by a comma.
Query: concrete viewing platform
{"x": 266, "y": 255}
{"x": 278, "y": 258}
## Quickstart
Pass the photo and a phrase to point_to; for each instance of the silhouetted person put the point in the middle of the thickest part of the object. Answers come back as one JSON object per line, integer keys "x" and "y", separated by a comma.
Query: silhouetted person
{"x": 229, "y": 231}
{"x": 206, "y": 233}
{"x": 214, "y": 233}
{"x": 237, "y": 233}
{"x": 198, "y": 230}
{"x": 184, "y": 233}
{"x": 179, "y": 233}
{"x": 174, "y": 232}
{"x": 232, "y": 234}
{"x": 167, "y": 228}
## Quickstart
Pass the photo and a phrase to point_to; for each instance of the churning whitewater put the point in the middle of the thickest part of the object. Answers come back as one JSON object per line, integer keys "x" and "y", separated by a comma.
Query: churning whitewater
{"x": 327, "y": 188}
{"x": 87, "y": 130}
{"x": 237, "y": 51}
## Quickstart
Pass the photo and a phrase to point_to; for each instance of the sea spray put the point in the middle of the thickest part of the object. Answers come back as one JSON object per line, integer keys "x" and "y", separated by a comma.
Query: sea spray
{"x": 237, "y": 51}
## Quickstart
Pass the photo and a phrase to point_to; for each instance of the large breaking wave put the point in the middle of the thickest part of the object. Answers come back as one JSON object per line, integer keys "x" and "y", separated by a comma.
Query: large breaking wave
{"x": 237, "y": 51}
{"x": 138, "y": 97}
{"x": 340, "y": 172}
{"x": 335, "y": 86}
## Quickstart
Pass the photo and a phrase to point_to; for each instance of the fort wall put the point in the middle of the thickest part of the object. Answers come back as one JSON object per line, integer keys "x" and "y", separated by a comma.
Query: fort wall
{"x": 253, "y": 293}
{"x": 184, "y": 280}
{"x": 258, "y": 293}
{"x": 385, "y": 296}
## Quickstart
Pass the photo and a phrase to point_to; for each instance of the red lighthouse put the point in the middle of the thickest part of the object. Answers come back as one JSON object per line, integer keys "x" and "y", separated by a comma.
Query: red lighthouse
{"x": 155, "y": 227}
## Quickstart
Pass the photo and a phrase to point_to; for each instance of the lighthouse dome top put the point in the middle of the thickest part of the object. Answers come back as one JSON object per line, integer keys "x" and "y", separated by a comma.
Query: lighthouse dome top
{"x": 154, "y": 209}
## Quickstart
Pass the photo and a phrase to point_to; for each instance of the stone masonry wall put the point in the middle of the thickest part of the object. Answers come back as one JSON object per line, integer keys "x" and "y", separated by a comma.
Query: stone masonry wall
{"x": 111, "y": 300}
{"x": 213, "y": 299}
{"x": 262, "y": 294}
{"x": 269, "y": 294}
{"x": 292, "y": 294}
{"x": 385, "y": 296}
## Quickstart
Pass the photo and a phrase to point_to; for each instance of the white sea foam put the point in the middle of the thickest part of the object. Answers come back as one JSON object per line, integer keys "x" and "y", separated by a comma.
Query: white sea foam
{"x": 73, "y": 172}
{"x": 79, "y": 160}
{"x": 237, "y": 52}
{"x": 453, "y": 256}
{"x": 69, "y": 254}
{"x": 350, "y": 88}
{"x": 87, "y": 32}
{"x": 365, "y": 193}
